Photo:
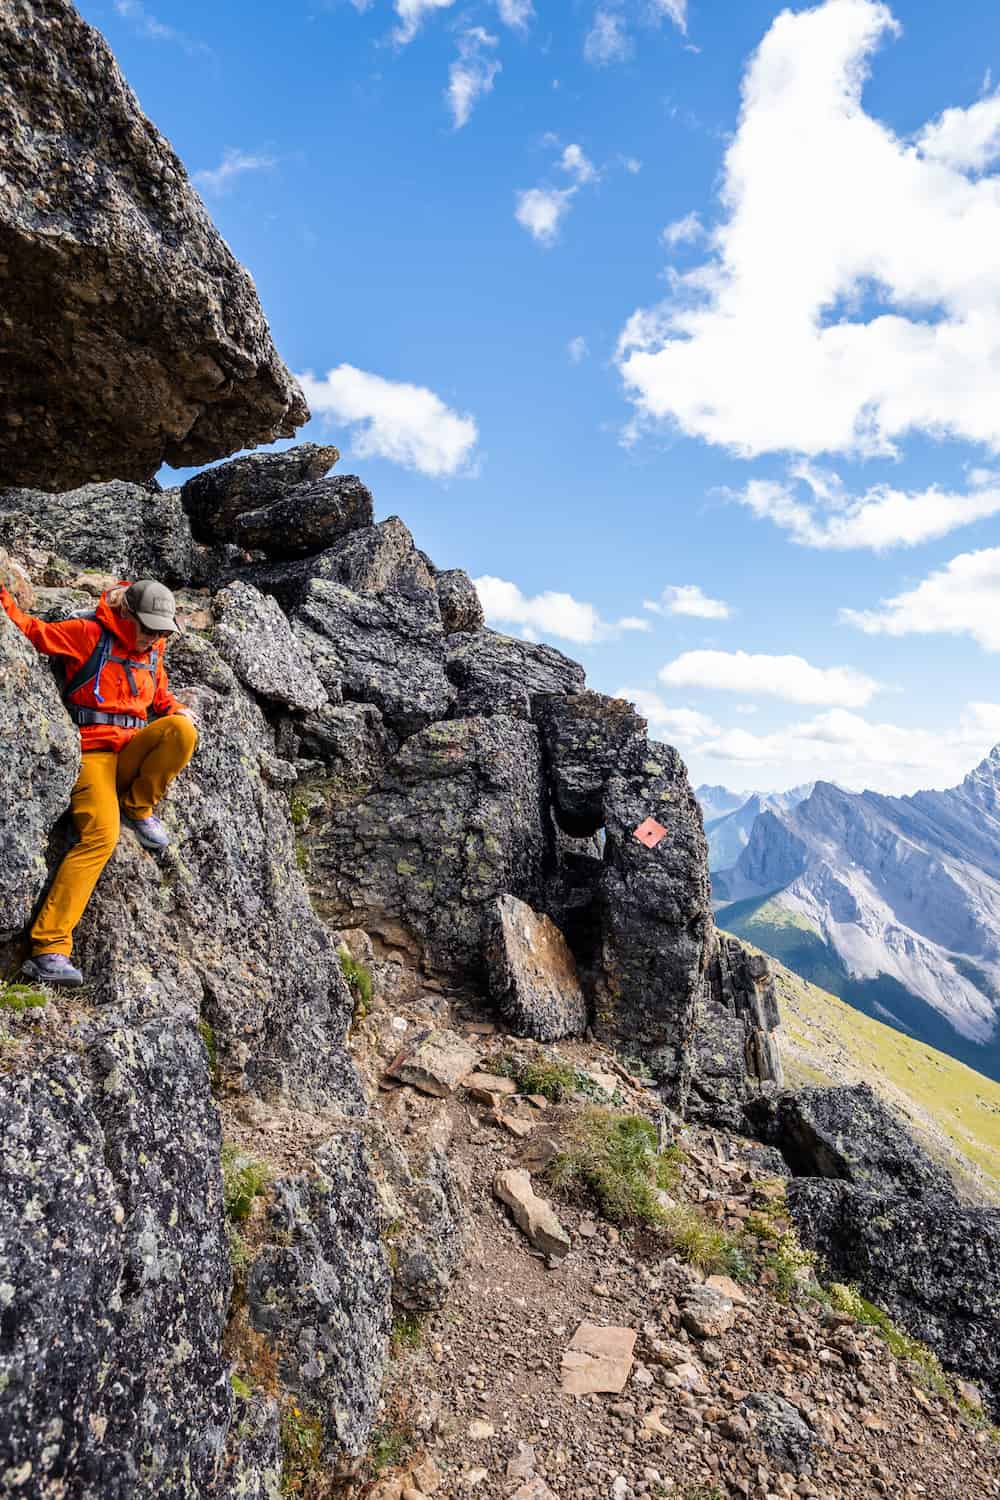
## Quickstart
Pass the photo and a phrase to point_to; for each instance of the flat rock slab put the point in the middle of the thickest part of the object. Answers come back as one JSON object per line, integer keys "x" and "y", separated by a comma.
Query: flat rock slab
{"x": 437, "y": 1064}
{"x": 535, "y": 1489}
{"x": 531, "y": 1214}
{"x": 491, "y": 1085}
{"x": 598, "y": 1359}
{"x": 531, "y": 972}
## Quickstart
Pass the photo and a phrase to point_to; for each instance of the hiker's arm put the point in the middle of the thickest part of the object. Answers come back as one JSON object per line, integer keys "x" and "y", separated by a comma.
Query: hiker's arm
{"x": 63, "y": 638}
{"x": 164, "y": 701}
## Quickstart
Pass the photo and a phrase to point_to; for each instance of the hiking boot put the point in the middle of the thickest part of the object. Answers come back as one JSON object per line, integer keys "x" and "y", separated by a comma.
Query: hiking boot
{"x": 52, "y": 968}
{"x": 151, "y": 833}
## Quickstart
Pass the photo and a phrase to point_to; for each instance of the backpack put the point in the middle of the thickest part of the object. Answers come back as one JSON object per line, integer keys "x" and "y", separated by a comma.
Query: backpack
{"x": 91, "y": 671}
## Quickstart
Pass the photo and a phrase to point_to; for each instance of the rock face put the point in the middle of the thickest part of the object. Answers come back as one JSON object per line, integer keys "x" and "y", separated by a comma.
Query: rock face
{"x": 531, "y": 973}
{"x": 255, "y": 638}
{"x": 138, "y": 339}
{"x": 496, "y": 674}
{"x": 734, "y": 1039}
{"x": 115, "y": 1268}
{"x": 588, "y": 738}
{"x": 37, "y": 772}
{"x": 216, "y": 498}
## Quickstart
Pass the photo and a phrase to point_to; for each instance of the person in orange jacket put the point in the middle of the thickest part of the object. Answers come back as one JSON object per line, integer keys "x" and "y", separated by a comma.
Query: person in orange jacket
{"x": 111, "y": 668}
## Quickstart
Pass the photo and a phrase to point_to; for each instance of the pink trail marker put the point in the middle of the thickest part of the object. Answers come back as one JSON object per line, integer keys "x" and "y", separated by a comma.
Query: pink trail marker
{"x": 650, "y": 833}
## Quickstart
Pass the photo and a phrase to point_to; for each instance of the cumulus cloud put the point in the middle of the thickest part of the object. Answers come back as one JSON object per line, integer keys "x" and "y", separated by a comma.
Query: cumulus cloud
{"x": 412, "y": 14}
{"x": 687, "y": 599}
{"x": 235, "y": 163}
{"x": 852, "y": 293}
{"x": 685, "y": 726}
{"x": 673, "y": 10}
{"x": 541, "y": 211}
{"x": 407, "y": 424}
{"x": 577, "y": 349}
{"x": 472, "y": 74}
{"x": 683, "y": 231}
{"x": 857, "y": 752}
{"x": 789, "y": 677}
{"x": 575, "y": 161}
{"x": 827, "y": 516}
{"x": 549, "y": 613}
{"x": 962, "y": 598}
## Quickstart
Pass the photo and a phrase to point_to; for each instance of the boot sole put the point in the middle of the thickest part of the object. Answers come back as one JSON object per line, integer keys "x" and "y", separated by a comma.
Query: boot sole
{"x": 147, "y": 843}
{"x": 30, "y": 972}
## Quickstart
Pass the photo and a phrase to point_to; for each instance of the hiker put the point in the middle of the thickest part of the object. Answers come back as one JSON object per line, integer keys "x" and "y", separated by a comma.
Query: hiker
{"x": 110, "y": 665}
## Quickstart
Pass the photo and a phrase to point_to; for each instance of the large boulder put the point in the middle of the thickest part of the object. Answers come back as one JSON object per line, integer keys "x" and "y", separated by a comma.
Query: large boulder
{"x": 531, "y": 974}
{"x": 126, "y": 530}
{"x": 217, "y": 497}
{"x": 461, "y": 606}
{"x": 131, "y": 335}
{"x": 255, "y": 638}
{"x": 310, "y": 516}
{"x": 38, "y": 768}
{"x": 320, "y": 1291}
{"x": 383, "y": 649}
{"x": 588, "y": 738}
{"x": 846, "y": 1133}
{"x": 655, "y": 918}
{"x": 370, "y": 560}
{"x": 457, "y": 819}
{"x": 495, "y": 674}
{"x": 932, "y": 1263}
{"x": 114, "y": 1268}
{"x": 222, "y": 924}
{"x": 353, "y": 746}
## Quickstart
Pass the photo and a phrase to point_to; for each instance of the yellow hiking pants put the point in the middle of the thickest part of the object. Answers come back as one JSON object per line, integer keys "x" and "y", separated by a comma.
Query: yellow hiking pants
{"x": 137, "y": 777}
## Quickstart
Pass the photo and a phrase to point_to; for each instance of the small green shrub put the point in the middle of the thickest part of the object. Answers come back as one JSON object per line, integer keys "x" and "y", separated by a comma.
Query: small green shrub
{"x": 702, "y": 1243}
{"x": 302, "y": 1451}
{"x": 240, "y": 1387}
{"x": 20, "y": 997}
{"x": 786, "y": 1260}
{"x": 208, "y": 1037}
{"x": 300, "y": 812}
{"x": 407, "y": 1333}
{"x": 359, "y": 982}
{"x": 389, "y": 1445}
{"x": 614, "y": 1158}
{"x": 244, "y": 1178}
{"x": 536, "y": 1075}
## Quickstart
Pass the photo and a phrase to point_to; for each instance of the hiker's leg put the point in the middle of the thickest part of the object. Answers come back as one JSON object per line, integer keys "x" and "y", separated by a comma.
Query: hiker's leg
{"x": 94, "y": 807}
{"x": 151, "y": 760}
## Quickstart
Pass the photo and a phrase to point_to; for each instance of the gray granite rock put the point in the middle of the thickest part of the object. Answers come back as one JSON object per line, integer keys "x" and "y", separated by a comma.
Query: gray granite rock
{"x": 588, "y": 738}
{"x": 124, "y": 529}
{"x": 778, "y": 1427}
{"x": 253, "y": 635}
{"x": 38, "y": 767}
{"x": 310, "y": 516}
{"x": 138, "y": 338}
{"x": 387, "y": 650}
{"x": 461, "y": 607}
{"x": 495, "y": 674}
{"x": 734, "y": 1047}
{"x": 420, "y": 1210}
{"x": 216, "y": 498}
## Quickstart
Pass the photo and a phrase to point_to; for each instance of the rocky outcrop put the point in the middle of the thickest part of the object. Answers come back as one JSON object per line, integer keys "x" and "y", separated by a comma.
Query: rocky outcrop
{"x": 115, "y": 1270}
{"x": 256, "y": 640}
{"x": 37, "y": 772}
{"x": 137, "y": 337}
{"x": 215, "y": 499}
{"x": 461, "y": 608}
{"x": 734, "y": 1046}
{"x": 495, "y": 674}
{"x": 588, "y": 739}
{"x": 531, "y": 974}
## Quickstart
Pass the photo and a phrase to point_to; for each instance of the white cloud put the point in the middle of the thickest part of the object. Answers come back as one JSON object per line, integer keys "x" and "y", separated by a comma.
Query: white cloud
{"x": 541, "y": 210}
{"x": 577, "y": 164}
{"x": 852, "y": 296}
{"x": 632, "y": 165}
{"x": 856, "y": 752}
{"x": 881, "y": 518}
{"x": 412, "y": 14}
{"x": 550, "y": 613}
{"x": 789, "y": 677}
{"x": 683, "y": 231}
{"x": 577, "y": 348}
{"x": 968, "y": 139}
{"x": 515, "y": 13}
{"x": 674, "y": 10}
{"x": 684, "y": 725}
{"x": 153, "y": 29}
{"x": 235, "y": 163}
{"x": 607, "y": 41}
{"x": 472, "y": 74}
{"x": 688, "y": 599}
{"x": 407, "y": 424}
{"x": 962, "y": 598}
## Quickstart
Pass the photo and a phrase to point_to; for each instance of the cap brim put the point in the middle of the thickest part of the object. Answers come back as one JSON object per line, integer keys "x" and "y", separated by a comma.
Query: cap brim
{"x": 159, "y": 624}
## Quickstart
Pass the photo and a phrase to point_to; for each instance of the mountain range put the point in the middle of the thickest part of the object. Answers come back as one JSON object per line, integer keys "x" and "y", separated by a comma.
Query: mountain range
{"x": 730, "y": 816}
{"x": 892, "y": 903}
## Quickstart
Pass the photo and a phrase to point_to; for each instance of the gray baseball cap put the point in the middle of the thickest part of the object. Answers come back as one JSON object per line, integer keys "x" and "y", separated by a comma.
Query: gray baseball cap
{"x": 154, "y": 606}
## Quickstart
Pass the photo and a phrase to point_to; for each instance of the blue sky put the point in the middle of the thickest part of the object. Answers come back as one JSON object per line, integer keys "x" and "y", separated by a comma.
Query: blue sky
{"x": 646, "y": 302}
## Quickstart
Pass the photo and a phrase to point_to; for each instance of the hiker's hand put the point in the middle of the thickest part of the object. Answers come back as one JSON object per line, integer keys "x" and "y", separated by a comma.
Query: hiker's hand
{"x": 186, "y": 713}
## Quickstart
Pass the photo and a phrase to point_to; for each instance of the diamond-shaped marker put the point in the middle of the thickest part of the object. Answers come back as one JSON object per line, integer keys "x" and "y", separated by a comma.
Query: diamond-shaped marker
{"x": 650, "y": 833}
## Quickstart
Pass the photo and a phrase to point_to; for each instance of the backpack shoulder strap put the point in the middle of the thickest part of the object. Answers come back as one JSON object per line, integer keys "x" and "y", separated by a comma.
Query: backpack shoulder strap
{"x": 92, "y": 666}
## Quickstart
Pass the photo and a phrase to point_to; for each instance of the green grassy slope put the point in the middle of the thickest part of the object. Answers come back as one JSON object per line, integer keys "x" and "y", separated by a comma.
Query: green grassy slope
{"x": 953, "y": 1111}
{"x": 784, "y": 935}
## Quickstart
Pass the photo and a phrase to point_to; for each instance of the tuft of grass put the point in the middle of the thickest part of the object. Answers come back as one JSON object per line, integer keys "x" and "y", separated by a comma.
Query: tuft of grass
{"x": 702, "y": 1243}
{"x": 302, "y": 1451}
{"x": 407, "y": 1333}
{"x": 244, "y": 1178}
{"x": 389, "y": 1446}
{"x": 240, "y": 1387}
{"x": 299, "y": 811}
{"x": 208, "y": 1037}
{"x": 787, "y": 1258}
{"x": 925, "y": 1365}
{"x": 302, "y": 856}
{"x": 614, "y": 1158}
{"x": 547, "y": 1076}
{"x": 359, "y": 982}
{"x": 19, "y": 997}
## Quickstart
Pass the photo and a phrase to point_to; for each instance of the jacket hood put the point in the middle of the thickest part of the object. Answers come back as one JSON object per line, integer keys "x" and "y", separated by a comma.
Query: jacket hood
{"x": 121, "y": 628}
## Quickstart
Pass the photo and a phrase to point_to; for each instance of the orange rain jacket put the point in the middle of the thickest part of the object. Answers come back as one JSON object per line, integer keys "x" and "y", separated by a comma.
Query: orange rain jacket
{"x": 74, "y": 641}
